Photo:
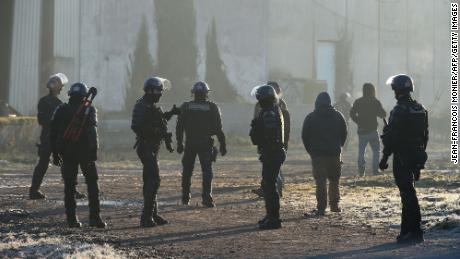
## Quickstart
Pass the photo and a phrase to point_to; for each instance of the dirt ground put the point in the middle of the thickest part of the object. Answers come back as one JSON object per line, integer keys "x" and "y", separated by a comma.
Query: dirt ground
{"x": 367, "y": 227}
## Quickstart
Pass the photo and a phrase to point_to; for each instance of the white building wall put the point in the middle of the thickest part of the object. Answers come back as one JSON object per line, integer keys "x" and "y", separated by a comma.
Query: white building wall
{"x": 24, "y": 74}
{"x": 109, "y": 31}
{"x": 291, "y": 38}
{"x": 67, "y": 40}
{"x": 241, "y": 37}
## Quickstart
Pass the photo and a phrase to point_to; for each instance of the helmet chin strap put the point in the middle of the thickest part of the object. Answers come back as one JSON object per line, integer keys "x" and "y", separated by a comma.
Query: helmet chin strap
{"x": 267, "y": 103}
{"x": 76, "y": 98}
{"x": 402, "y": 95}
{"x": 152, "y": 98}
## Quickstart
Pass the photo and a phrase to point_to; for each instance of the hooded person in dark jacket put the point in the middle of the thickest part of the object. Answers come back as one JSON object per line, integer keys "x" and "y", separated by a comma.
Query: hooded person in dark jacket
{"x": 364, "y": 113}
{"x": 324, "y": 133}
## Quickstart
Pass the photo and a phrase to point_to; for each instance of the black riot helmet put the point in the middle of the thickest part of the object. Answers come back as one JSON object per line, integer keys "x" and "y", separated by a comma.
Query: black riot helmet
{"x": 200, "y": 90}
{"x": 78, "y": 89}
{"x": 200, "y": 87}
{"x": 275, "y": 86}
{"x": 265, "y": 94}
{"x": 154, "y": 84}
{"x": 154, "y": 87}
{"x": 401, "y": 83}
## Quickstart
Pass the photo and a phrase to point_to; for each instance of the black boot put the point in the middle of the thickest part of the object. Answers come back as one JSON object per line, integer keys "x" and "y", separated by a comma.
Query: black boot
{"x": 147, "y": 220}
{"x": 36, "y": 195}
{"x": 79, "y": 195}
{"x": 335, "y": 207}
{"x": 208, "y": 202}
{"x": 270, "y": 223}
{"x": 157, "y": 218}
{"x": 96, "y": 221}
{"x": 186, "y": 198}
{"x": 262, "y": 220}
{"x": 259, "y": 192}
{"x": 72, "y": 220}
{"x": 411, "y": 238}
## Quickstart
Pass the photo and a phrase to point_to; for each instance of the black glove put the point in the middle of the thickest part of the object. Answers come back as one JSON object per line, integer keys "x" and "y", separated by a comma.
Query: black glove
{"x": 180, "y": 148}
{"x": 57, "y": 160}
{"x": 383, "y": 163}
{"x": 417, "y": 174}
{"x": 174, "y": 111}
{"x": 93, "y": 155}
{"x": 223, "y": 149}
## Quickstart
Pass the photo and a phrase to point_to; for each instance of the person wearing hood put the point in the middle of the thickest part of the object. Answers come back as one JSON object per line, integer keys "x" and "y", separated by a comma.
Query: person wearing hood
{"x": 364, "y": 113}
{"x": 324, "y": 133}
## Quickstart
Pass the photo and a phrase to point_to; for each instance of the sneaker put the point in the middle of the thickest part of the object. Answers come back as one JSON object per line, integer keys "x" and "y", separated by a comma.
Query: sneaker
{"x": 36, "y": 195}
{"x": 270, "y": 224}
{"x": 159, "y": 220}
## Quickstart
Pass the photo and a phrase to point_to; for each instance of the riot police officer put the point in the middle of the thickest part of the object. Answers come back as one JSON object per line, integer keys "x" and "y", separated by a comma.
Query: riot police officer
{"x": 287, "y": 130}
{"x": 46, "y": 107}
{"x": 267, "y": 132}
{"x": 149, "y": 123}
{"x": 199, "y": 119}
{"x": 77, "y": 149}
{"x": 406, "y": 137}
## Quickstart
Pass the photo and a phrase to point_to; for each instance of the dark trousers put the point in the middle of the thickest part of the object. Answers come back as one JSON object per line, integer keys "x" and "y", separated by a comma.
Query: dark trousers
{"x": 271, "y": 165}
{"x": 403, "y": 171}
{"x": 148, "y": 154}
{"x": 204, "y": 153}
{"x": 326, "y": 168}
{"x": 69, "y": 172}
{"x": 44, "y": 153}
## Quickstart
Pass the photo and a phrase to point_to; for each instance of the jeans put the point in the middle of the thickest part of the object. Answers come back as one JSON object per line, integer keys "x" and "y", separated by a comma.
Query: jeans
{"x": 373, "y": 139}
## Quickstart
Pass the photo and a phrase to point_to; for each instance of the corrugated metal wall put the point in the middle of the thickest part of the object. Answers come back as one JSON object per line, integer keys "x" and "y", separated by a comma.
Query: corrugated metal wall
{"x": 24, "y": 74}
{"x": 66, "y": 38}
{"x": 66, "y": 28}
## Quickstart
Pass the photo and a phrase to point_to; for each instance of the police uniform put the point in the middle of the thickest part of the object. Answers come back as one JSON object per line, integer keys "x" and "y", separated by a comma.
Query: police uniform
{"x": 267, "y": 132}
{"x": 406, "y": 137}
{"x": 287, "y": 130}
{"x": 81, "y": 152}
{"x": 149, "y": 122}
{"x": 199, "y": 120}
{"x": 46, "y": 107}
